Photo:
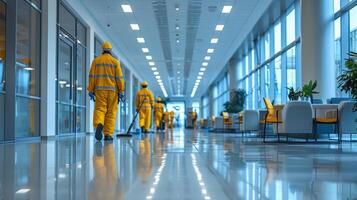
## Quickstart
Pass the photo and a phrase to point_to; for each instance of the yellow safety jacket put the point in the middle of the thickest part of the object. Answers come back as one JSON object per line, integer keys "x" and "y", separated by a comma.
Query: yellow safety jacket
{"x": 159, "y": 108}
{"x": 106, "y": 74}
{"x": 146, "y": 97}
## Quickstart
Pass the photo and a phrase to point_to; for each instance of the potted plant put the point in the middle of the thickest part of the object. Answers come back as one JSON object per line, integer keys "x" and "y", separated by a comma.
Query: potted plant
{"x": 308, "y": 90}
{"x": 236, "y": 104}
{"x": 347, "y": 81}
{"x": 293, "y": 95}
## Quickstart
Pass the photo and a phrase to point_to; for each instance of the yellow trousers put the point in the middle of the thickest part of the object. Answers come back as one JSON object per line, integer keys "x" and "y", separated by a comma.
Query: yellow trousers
{"x": 145, "y": 117}
{"x": 106, "y": 108}
{"x": 158, "y": 119}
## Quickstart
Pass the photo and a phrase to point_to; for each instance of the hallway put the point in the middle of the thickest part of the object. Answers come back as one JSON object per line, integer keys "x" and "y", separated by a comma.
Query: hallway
{"x": 182, "y": 164}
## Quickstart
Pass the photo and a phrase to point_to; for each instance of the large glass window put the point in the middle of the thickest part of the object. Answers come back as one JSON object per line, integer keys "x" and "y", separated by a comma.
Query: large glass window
{"x": 277, "y": 80}
{"x": 28, "y": 69}
{"x": 291, "y": 68}
{"x": 277, "y": 37}
{"x": 290, "y": 27}
{"x": 353, "y": 29}
{"x": 2, "y": 66}
{"x": 71, "y": 74}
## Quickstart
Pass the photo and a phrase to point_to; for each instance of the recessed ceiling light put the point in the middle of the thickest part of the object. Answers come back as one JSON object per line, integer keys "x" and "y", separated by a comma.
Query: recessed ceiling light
{"x": 178, "y": 72}
{"x": 140, "y": 40}
{"x": 219, "y": 27}
{"x": 157, "y": 77}
{"x": 156, "y": 73}
{"x": 202, "y": 69}
{"x": 226, "y": 9}
{"x": 200, "y": 73}
{"x": 205, "y": 64}
{"x": 149, "y": 57}
{"x": 153, "y": 68}
{"x": 207, "y": 57}
{"x": 126, "y": 8}
{"x": 199, "y": 77}
{"x": 177, "y": 41}
{"x": 210, "y": 50}
{"x": 177, "y": 27}
{"x": 214, "y": 40}
{"x": 135, "y": 27}
{"x": 198, "y": 81}
{"x": 160, "y": 81}
{"x": 151, "y": 63}
{"x": 23, "y": 191}
{"x": 145, "y": 50}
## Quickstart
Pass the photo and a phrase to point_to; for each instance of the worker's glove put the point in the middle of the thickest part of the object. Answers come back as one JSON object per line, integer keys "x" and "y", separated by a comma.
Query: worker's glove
{"x": 121, "y": 97}
{"x": 92, "y": 96}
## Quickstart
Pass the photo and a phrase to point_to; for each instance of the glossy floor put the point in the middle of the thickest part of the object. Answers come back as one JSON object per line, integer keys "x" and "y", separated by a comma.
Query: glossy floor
{"x": 181, "y": 164}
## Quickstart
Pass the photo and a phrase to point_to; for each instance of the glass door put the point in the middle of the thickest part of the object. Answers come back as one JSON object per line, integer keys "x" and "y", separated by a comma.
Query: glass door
{"x": 65, "y": 65}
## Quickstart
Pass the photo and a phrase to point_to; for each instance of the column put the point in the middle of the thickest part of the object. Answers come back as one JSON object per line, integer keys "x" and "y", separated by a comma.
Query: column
{"x": 232, "y": 74}
{"x": 90, "y": 56}
{"x": 48, "y": 69}
{"x": 317, "y": 46}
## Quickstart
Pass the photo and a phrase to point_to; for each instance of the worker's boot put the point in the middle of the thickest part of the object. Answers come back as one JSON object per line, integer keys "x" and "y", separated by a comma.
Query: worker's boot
{"x": 142, "y": 129}
{"x": 98, "y": 132}
{"x": 108, "y": 138}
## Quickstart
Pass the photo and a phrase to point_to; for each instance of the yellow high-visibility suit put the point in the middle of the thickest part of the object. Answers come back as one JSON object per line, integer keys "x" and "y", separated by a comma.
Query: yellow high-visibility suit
{"x": 172, "y": 118}
{"x": 145, "y": 99}
{"x": 105, "y": 184}
{"x": 159, "y": 111}
{"x": 106, "y": 82}
{"x": 144, "y": 160}
{"x": 194, "y": 119}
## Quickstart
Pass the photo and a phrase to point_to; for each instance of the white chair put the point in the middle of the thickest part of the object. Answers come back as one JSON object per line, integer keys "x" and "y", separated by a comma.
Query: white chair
{"x": 347, "y": 118}
{"x": 297, "y": 119}
{"x": 250, "y": 120}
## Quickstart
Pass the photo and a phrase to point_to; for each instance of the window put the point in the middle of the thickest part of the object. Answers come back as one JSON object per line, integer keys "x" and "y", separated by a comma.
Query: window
{"x": 71, "y": 73}
{"x": 28, "y": 67}
{"x": 290, "y": 27}
{"x": 97, "y": 47}
{"x": 277, "y": 37}
{"x": 353, "y": 29}
{"x": 277, "y": 80}
{"x": 336, "y": 5}
{"x": 205, "y": 109}
{"x": 2, "y": 67}
{"x": 291, "y": 68}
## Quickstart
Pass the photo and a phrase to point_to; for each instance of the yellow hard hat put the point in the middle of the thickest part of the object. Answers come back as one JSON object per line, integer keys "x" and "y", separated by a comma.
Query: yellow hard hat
{"x": 158, "y": 99}
{"x": 144, "y": 83}
{"x": 107, "y": 46}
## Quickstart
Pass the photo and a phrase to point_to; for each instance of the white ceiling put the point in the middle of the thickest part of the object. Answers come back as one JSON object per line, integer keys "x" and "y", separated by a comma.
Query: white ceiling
{"x": 197, "y": 20}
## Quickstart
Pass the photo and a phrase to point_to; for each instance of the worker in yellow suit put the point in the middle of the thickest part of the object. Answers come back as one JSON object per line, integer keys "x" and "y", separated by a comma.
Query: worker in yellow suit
{"x": 106, "y": 88}
{"x": 194, "y": 119}
{"x": 172, "y": 118}
{"x": 158, "y": 111}
{"x": 144, "y": 105}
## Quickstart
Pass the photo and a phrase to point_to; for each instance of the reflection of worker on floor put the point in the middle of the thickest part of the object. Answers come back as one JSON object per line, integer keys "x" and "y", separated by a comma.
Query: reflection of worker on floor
{"x": 158, "y": 111}
{"x": 172, "y": 118}
{"x": 106, "y": 88}
{"x": 144, "y": 105}
{"x": 144, "y": 163}
{"x": 167, "y": 119}
{"x": 194, "y": 119}
{"x": 105, "y": 184}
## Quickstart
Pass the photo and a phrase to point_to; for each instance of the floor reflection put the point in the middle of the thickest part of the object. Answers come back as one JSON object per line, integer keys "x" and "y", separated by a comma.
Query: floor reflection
{"x": 177, "y": 164}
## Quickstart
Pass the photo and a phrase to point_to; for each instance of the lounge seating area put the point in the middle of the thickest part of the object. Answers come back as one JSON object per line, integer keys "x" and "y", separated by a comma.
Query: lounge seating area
{"x": 292, "y": 122}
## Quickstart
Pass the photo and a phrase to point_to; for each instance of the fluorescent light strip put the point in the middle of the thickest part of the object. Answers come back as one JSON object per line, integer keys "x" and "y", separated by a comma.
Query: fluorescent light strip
{"x": 207, "y": 57}
{"x": 126, "y": 8}
{"x": 145, "y": 50}
{"x": 219, "y": 27}
{"x": 153, "y": 68}
{"x": 205, "y": 64}
{"x": 135, "y": 27}
{"x": 140, "y": 40}
{"x": 214, "y": 40}
{"x": 227, "y": 9}
{"x": 151, "y": 63}
{"x": 210, "y": 50}
{"x": 203, "y": 69}
{"x": 148, "y": 57}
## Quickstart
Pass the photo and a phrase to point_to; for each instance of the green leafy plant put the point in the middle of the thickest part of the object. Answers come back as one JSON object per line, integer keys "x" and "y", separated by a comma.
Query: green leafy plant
{"x": 236, "y": 104}
{"x": 347, "y": 81}
{"x": 308, "y": 90}
{"x": 294, "y": 95}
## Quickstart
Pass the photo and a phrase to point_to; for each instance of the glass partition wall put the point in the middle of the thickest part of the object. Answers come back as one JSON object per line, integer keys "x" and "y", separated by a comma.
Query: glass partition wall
{"x": 2, "y": 66}
{"x": 71, "y": 73}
